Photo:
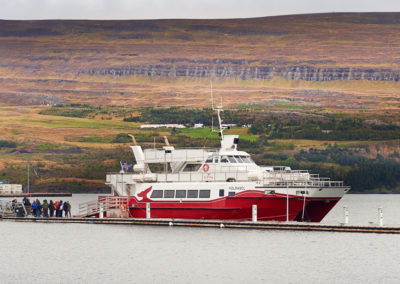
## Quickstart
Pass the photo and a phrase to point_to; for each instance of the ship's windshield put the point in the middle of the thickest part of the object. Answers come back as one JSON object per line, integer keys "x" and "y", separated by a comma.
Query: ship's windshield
{"x": 246, "y": 159}
{"x": 231, "y": 159}
{"x": 191, "y": 168}
{"x": 239, "y": 159}
{"x": 236, "y": 159}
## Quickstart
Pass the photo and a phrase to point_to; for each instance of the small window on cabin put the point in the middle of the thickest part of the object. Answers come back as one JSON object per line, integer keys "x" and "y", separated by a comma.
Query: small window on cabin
{"x": 231, "y": 193}
{"x": 246, "y": 159}
{"x": 238, "y": 159}
{"x": 192, "y": 168}
{"x": 221, "y": 192}
{"x": 180, "y": 194}
{"x": 216, "y": 159}
{"x": 169, "y": 193}
{"x": 231, "y": 159}
{"x": 157, "y": 194}
{"x": 224, "y": 159}
{"x": 193, "y": 193}
{"x": 205, "y": 193}
{"x": 209, "y": 160}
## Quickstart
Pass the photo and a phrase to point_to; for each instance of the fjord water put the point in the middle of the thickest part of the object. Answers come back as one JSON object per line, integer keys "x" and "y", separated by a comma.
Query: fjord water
{"x": 89, "y": 253}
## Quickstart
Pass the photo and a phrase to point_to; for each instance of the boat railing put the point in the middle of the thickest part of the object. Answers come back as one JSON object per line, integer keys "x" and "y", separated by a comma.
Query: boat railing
{"x": 115, "y": 179}
{"x": 203, "y": 176}
{"x": 9, "y": 207}
{"x": 104, "y": 203}
{"x": 176, "y": 155}
{"x": 304, "y": 183}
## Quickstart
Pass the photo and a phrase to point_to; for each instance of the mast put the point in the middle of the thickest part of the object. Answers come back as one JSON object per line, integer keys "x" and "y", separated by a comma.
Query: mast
{"x": 28, "y": 178}
{"x": 219, "y": 109}
{"x": 221, "y": 128}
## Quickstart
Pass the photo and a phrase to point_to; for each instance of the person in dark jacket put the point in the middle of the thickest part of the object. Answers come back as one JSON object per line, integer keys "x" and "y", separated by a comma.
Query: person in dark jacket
{"x": 34, "y": 208}
{"x": 59, "y": 210}
{"x": 38, "y": 208}
{"x": 45, "y": 208}
{"x": 51, "y": 208}
{"x": 65, "y": 208}
{"x": 27, "y": 204}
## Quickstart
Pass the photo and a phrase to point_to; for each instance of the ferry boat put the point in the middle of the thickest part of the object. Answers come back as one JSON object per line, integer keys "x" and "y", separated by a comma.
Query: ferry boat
{"x": 222, "y": 183}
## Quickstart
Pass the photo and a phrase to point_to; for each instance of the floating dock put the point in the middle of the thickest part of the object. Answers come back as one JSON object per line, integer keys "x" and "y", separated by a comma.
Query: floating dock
{"x": 36, "y": 194}
{"x": 290, "y": 226}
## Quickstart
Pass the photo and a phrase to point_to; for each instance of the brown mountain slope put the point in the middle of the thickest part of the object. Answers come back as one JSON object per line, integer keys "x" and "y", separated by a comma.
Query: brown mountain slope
{"x": 347, "y": 61}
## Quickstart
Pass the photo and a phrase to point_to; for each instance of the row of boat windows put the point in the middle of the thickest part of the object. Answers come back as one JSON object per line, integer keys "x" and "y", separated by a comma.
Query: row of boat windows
{"x": 191, "y": 193}
{"x": 229, "y": 159}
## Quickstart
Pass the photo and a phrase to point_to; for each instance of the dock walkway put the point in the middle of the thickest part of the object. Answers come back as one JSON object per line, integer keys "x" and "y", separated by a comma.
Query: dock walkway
{"x": 290, "y": 226}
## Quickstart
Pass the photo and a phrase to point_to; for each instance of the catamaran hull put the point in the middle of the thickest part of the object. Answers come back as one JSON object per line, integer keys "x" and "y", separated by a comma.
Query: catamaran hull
{"x": 269, "y": 207}
{"x": 316, "y": 209}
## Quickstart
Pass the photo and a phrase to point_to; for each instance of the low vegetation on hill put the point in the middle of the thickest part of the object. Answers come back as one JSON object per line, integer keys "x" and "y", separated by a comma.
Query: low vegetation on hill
{"x": 88, "y": 144}
{"x": 321, "y": 92}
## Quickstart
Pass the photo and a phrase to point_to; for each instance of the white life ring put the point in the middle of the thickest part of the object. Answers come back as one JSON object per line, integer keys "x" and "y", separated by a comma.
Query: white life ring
{"x": 122, "y": 208}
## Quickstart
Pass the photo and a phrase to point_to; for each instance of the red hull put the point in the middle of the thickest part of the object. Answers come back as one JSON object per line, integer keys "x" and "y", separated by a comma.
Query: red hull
{"x": 239, "y": 207}
{"x": 317, "y": 209}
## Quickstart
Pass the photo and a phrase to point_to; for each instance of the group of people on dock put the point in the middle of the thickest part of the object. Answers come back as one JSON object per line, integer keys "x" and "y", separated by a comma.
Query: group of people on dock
{"x": 47, "y": 209}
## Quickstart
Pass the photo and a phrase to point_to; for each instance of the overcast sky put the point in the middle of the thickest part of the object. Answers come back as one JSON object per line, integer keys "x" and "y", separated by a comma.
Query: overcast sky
{"x": 156, "y": 9}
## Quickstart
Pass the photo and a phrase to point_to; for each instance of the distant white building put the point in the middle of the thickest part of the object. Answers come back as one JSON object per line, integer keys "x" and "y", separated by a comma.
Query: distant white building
{"x": 229, "y": 125}
{"x": 6, "y": 188}
{"x": 198, "y": 125}
{"x": 171, "y": 125}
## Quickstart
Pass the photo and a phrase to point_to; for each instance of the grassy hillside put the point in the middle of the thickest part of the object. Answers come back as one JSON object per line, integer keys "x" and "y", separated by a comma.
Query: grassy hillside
{"x": 70, "y": 153}
{"x": 322, "y": 92}
{"x": 345, "y": 62}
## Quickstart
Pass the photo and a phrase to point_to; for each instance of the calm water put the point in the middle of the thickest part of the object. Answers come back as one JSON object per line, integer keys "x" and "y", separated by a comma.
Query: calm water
{"x": 84, "y": 253}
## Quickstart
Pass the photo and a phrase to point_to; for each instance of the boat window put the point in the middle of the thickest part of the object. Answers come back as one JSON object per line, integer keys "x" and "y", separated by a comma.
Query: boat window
{"x": 231, "y": 193}
{"x": 191, "y": 168}
{"x": 157, "y": 194}
{"x": 209, "y": 160}
{"x": 205, "y": 193}
{"x": 224, "y": 159}
{"x": 180, "y": 194}
{"x": 216, "y": 159}
{"x": 246, "y": 159}
{"x": 238, "y": 159}
{"x": 169, "y": 193}
{"x": 231, "y": 159}
{"x": 193, "y": 194}
{"x": 221, "y": 192}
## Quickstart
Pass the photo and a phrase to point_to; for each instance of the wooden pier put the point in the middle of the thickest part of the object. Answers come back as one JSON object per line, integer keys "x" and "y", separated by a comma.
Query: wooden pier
{"x": 290, "y": 226}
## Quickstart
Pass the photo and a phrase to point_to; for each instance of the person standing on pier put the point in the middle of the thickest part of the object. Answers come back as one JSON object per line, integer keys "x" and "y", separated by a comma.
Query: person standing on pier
{"x": 34, "y": 208}
{"x": 69, "y": 209}
{"x": 38, "y": 208}
{"x": 27, "y": 204}
{"x": 59, "y": 209}
{"x": 51, "y": 208}
{"x": 45, "y": 208}
{"x": 65, "y": 208}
